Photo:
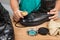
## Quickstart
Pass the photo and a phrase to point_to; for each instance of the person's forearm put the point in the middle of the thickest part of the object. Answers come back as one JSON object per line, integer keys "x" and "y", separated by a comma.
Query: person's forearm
{"x": 57, "y": 5}
{"x": 14, "y": 5}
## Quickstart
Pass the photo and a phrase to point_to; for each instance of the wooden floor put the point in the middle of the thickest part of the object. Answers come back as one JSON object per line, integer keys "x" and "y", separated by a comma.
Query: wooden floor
{"x": 21, "y": 33}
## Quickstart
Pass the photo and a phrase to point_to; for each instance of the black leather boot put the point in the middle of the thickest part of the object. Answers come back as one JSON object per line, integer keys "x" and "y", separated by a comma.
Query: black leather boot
{"x": 6, "y": 29}
{"x": 47, "y": 5}
{"x": 40, "y": 16}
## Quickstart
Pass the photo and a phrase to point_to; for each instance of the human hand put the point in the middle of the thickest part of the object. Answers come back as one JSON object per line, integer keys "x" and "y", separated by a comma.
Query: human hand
{"x": 19, "y": 14}
{"x": 55, "y": 12}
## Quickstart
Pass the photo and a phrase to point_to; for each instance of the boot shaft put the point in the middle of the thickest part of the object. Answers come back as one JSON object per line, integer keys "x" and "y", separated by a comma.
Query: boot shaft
{"x": 47, "y": 5}
{"x": 1, "y": 11}
{"x": 3, "y": 14}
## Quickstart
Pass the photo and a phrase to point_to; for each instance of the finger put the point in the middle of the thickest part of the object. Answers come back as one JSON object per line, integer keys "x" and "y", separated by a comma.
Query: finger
{"x": 53, "y": 16}
{"x": 16, "y": 18}
{"x": 16, "y": 15}
{"x": 53, "y": 10}
{"x": 52, "y": 13}
{"x": 20, "y": 14}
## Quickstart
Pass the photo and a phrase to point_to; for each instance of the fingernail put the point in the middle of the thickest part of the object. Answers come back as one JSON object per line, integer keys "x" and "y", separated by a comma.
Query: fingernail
{"x": 48, "y": 13}
{"x": 49, "y": 17}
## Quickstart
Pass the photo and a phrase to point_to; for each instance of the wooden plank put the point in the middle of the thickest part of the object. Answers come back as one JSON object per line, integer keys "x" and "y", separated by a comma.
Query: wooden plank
{"x": 21, "y": 33}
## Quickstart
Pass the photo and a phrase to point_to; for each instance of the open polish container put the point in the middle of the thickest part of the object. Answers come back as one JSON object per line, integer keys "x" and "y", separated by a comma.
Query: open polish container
{"x": 32, "y": 32}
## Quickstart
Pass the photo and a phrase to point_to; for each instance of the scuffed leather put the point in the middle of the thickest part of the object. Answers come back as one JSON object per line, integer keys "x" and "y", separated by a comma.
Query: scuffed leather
{"x": 6, "y": 29}
{"x": 34, "y": 19}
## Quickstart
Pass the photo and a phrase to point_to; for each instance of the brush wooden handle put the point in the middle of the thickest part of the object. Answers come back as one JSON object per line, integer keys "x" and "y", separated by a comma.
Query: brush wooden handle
{"x": 24, "y": 13}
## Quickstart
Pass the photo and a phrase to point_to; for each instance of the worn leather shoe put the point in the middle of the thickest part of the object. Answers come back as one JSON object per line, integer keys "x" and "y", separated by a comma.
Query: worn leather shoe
{"x": 35, "y": 19}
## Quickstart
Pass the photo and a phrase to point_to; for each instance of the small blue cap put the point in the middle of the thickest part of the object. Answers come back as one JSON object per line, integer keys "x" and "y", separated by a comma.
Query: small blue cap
{"x": 32, "y": 32}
